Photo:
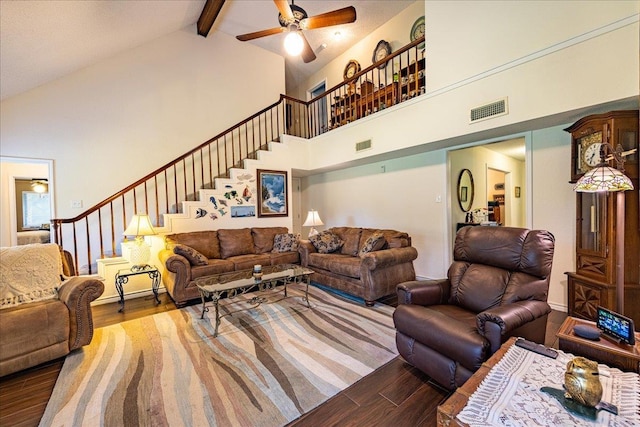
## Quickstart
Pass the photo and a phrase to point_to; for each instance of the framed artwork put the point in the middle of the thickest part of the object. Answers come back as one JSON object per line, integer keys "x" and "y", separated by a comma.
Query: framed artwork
{"x": 272, "y": 193}
{"x": 243, "y": 211}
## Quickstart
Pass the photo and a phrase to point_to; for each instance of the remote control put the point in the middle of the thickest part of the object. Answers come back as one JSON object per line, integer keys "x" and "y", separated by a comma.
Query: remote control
{"x": 536, "y": 348}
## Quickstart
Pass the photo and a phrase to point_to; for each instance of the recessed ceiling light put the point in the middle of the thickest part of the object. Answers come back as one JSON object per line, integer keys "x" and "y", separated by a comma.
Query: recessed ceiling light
{"x": 337, "y": 35}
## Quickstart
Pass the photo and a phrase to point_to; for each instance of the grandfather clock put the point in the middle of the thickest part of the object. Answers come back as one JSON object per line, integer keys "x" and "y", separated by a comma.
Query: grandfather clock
{"x": 594, "y": 281}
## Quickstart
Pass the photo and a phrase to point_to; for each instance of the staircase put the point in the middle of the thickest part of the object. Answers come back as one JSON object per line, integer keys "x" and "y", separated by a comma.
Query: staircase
{"x": 97, "y": 232}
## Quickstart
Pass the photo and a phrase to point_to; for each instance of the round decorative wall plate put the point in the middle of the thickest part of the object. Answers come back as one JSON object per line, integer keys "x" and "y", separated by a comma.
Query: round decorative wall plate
{"x": 351, "y": 69}
{"x": 382, "y": 50}
{"x": 417, "y": 31}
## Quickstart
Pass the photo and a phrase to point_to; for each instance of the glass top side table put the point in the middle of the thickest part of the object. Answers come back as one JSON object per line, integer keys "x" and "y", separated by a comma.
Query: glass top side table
{"x": 122, "y": 277}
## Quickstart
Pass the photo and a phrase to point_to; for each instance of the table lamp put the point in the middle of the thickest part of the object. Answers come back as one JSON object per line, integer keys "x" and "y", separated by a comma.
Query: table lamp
{"x": 139, "y": 251}
{"x": 312, "y": 220}
{"x": 608, "y": 179}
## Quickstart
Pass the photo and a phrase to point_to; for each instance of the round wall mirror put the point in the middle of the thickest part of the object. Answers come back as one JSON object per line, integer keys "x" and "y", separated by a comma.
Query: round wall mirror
{"x": 465, "y": 190}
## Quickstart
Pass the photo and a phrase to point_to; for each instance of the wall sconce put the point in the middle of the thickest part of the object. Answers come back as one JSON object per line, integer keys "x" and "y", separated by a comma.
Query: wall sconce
{"x": 313, "y": 219}
{"x": 140, "y": 251}
{"x": 604, "y": 178}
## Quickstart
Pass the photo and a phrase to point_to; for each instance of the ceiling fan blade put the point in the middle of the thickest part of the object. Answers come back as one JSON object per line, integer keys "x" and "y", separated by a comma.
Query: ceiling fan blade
{"x": 284, "y": 9}
{"x": 336, "y": 17}
{"x": 258, "y": 34}
{"x": 307, "y": 52}
{"x": 208, "y": 16}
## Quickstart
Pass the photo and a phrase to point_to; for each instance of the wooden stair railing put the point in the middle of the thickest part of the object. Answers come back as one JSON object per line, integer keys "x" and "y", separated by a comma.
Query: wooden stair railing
{"x": 97, "y": 232}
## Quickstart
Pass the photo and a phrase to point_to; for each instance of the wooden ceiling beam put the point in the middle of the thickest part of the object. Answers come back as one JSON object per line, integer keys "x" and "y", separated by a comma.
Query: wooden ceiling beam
{"x": 208, "y": 16}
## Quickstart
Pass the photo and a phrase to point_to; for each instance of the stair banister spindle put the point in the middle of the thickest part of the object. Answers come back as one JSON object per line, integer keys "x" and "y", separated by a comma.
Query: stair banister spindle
{"x": 113, "y": 230}
{"x": 100, "y": 233}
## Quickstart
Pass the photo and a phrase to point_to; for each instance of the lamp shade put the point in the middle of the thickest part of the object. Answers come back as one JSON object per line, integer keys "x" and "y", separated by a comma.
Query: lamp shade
{"x": 140, "y": 225}
{"x": 603, "y": 178}
{"x": 313, "y": 219}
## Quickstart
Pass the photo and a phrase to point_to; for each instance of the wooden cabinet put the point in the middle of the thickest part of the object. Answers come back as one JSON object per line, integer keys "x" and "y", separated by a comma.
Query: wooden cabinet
{"x": 372, "y": 100}
{"x": 594, "y": 281}
{"x": 345, "y": 109}
{"x": 368, "y": 98}
{"x": 412, "y": 80}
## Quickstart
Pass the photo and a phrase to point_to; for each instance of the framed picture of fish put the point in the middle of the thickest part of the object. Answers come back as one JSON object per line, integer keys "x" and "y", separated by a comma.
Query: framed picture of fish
{"x": 272, "y": 193}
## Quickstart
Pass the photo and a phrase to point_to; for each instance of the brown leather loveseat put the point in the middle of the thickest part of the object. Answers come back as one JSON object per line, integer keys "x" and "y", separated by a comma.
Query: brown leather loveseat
{"x": 218, "y": 251}
{"x": 496, "y": 288}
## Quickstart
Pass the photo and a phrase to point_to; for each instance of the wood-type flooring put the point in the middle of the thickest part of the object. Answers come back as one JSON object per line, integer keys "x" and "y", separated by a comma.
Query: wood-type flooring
{"x": 394, "y": 395}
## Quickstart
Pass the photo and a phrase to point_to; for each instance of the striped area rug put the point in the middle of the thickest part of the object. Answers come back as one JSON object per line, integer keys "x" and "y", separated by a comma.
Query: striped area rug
{"x": 268, "y": 365}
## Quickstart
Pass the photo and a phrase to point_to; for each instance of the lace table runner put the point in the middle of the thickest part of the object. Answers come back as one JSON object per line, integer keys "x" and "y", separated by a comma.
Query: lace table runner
{"x": 510, "y": 394}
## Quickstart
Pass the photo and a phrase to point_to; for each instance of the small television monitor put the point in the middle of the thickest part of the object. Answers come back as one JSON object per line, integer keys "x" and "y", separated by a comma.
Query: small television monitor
{"x": 616, "y": 325}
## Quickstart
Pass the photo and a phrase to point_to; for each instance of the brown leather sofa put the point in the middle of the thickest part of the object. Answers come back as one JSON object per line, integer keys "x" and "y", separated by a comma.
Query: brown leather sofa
{"x": 225, "y": 250}
{"x": 370, "y": 276}
{"x": 36, "y": 332}
{"x": 496, "y": 288}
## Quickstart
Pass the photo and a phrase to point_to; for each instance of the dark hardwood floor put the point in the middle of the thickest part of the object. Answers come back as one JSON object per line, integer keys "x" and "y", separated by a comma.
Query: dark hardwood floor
{"x": 394, "y": 395}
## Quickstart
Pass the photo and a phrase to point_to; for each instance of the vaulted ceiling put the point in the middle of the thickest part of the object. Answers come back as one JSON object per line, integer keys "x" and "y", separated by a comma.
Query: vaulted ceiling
{"x": 42, "y": 40}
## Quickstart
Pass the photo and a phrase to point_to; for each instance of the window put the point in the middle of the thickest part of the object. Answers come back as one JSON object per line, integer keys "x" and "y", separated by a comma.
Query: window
{"x": 35, "y": 209}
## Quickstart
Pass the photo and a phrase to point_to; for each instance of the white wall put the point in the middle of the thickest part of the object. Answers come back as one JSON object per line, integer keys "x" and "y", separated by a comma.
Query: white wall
{"x": 400, "y": 194}
{"x": 489, "y": 34}
{"x": 404, "y": 196}
{"x": 110, "y": 124}
{"x": 554, "y": 203}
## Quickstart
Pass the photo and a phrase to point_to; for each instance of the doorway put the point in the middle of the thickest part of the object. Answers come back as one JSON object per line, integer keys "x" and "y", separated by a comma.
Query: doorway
{"x": 499, "y": 177}
{"x": 496, "y": 189}
{"x": 320, "y": 107}
{"x": 13, "y": 171}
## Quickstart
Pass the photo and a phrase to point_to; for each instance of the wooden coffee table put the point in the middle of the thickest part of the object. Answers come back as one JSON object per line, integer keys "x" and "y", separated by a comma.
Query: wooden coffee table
{"x": 232, "y": 284}
{"x": 448, "y": 411}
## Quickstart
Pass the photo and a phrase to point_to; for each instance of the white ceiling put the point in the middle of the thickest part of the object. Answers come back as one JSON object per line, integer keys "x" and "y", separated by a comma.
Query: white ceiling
{"x": 42, "y": 40}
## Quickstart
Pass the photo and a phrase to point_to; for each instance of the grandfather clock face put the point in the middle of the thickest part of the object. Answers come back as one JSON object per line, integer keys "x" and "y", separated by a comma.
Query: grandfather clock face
{"x": 588, "y": 152}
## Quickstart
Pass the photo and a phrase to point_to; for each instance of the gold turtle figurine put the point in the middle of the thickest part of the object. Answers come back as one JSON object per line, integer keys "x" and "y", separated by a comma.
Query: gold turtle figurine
{"x": 582, "y": 381}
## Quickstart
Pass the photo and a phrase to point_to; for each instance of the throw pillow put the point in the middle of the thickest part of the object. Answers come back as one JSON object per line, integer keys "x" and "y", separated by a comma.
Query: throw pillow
{"x": 287, "y": 242}
{"x": 326, "y": 242}
{"x": 375, "y": 242}
{"x": 194, "y": 257}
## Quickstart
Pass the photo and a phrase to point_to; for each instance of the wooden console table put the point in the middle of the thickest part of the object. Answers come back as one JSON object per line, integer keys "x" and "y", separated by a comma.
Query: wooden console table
{"x": 448, "y": 411}
{"x": 622, "y": 356}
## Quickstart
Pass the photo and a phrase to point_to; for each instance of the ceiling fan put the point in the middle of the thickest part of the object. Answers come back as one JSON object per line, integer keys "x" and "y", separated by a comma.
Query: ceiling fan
{"x": 294, "y": 19}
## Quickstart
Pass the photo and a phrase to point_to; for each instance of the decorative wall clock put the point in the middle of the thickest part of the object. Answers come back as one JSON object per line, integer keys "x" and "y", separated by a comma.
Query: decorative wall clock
{"x": 382, "y": 50}
{"x": 417, "y": 31}
{"x": 352, "y": 68}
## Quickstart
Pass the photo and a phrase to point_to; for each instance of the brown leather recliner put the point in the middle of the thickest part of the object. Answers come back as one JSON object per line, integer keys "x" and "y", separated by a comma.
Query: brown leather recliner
{"x": 496, "y": 288}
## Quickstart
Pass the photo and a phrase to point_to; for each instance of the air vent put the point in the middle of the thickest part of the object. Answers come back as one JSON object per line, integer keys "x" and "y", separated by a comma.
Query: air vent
{"x": 494, "y": 109}
{"x": 364, "y": 145}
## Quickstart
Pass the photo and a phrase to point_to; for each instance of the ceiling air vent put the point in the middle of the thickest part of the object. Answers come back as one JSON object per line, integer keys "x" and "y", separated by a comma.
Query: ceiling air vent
{"x": 364, "y": 145}
{"x": 494, "y": 109}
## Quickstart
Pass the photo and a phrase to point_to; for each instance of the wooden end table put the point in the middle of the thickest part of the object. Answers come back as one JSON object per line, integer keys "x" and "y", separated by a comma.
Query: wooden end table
{"x": 622, "y": 356}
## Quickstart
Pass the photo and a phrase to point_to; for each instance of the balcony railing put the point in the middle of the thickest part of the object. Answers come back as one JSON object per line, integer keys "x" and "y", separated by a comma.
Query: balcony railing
{"x": 392, "y": 80}
{"x": 97, "y": 232}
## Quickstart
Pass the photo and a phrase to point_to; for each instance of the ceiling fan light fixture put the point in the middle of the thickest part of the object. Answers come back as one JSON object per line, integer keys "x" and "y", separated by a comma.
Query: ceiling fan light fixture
{"x": 293, "y": 43}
